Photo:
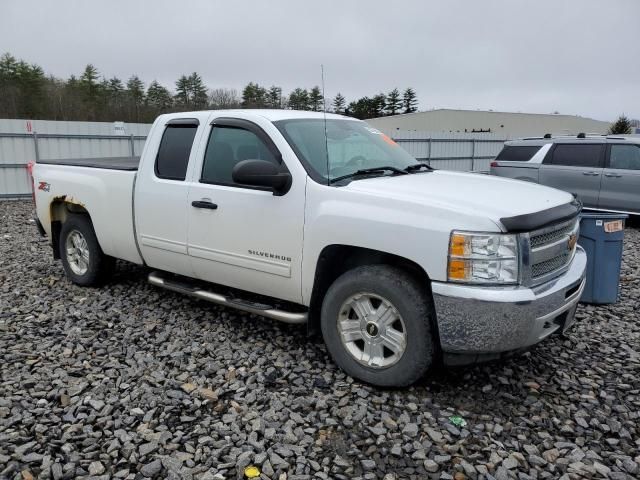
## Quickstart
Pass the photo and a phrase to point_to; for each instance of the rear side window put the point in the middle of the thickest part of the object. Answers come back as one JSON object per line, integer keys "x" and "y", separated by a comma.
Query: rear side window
{"x": 227, "y": 146}
{"x": 174, "y": 151}
{"x": 573, "y": 155}
{"x": 518, "y": 153}
{"x": 626, "y": 157}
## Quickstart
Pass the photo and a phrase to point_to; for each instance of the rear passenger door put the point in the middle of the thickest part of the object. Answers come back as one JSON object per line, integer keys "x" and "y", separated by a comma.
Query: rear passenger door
{"x": 575, "y": 168}
{"x": 621, "y": 179}
{"x": 161, "y": 196}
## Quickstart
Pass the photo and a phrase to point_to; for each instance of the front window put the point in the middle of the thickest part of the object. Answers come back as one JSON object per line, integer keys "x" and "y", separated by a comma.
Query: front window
{"x": 626, "y": 157}
{"x": 352, "y": 145}
{"x": 226, "y": 148}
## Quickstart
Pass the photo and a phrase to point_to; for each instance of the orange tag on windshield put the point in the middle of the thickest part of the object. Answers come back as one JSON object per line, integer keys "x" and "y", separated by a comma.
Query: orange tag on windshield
{"x": 389, "y": 140}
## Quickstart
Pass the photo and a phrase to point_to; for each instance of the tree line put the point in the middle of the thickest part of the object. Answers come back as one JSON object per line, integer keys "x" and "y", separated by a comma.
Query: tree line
{"x": 26, "y": 91}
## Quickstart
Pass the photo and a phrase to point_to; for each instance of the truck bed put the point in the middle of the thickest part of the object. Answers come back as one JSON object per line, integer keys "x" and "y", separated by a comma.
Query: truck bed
{"x": 110, "y": 163}
{"x": 103, "y": 187}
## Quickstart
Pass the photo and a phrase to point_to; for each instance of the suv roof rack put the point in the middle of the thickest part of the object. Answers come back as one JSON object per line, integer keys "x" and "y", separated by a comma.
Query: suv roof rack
{"x": 548, "y": 136}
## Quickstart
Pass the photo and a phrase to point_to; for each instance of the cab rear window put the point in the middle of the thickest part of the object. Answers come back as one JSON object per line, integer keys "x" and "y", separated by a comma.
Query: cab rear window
{"x": 518, "y": 153}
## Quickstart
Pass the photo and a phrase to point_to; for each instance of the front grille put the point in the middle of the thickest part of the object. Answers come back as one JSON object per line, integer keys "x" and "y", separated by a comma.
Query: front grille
{"x": 540, "y": 239}
{"x": 548, "y": 266}
{"x": 549, "y": 250}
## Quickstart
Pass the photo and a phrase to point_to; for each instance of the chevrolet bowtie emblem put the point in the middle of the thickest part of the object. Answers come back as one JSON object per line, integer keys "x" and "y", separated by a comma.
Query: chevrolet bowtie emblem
{"x": 573, "y": 239}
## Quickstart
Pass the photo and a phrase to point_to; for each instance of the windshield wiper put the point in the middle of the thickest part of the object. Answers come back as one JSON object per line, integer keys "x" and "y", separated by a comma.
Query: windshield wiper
{"x": 366, "y": 171}
{"x": 417, "y": 166}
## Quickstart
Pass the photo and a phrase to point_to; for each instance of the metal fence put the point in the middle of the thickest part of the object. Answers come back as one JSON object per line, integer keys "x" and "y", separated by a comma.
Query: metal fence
{"x": 471, "y": 152}
{"x": 51, "y": 140}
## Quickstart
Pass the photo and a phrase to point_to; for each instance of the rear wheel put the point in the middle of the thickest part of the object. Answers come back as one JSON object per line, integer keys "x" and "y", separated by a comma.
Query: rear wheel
{"x": 376, "y": 323}
{"x": 82, "y": 258}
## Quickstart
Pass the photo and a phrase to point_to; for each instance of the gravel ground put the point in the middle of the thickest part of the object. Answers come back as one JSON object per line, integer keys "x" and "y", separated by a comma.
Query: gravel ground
{"x": 130, "y": 381}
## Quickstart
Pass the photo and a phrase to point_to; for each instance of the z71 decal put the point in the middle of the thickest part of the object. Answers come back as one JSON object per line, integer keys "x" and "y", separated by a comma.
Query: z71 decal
{"x": 44, "y": 186}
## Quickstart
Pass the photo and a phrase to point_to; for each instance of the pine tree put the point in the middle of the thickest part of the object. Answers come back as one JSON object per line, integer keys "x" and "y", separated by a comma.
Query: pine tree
{"x": 115, "y": 86}
{"x": 394, "y": 102}
{"x": 90, "y": 90}
{"x": 114, "y": 92}
{"x": 158, "y": 98}
{"x": 299, "y": 99}
{"x": 8, "y": 86}
{"x": 316, "y": 99}
{"x": 274, "y": 97}
{"x": 198, "y": 92}
{"x": 88, "y": 80}
{"x": 183, "y": 97}
{"x": 8, "y": 67}
{"x": 30, "y": 81}
{"x": 364, "y": 108}
{"x": 135, "y": 94}
{"x": 254, "y": 96}
{"x": 339, "y": 104}
{"x": 622, "y": 126}
{"x": 379, "y": 104}
{"x": 89, "y": 83}
{"x": 410, "y": 101}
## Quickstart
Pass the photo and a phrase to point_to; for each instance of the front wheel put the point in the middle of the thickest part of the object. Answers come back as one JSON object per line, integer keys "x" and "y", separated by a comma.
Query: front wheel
{"x": 376, "y": 323}
{"x": 82, "y": 258}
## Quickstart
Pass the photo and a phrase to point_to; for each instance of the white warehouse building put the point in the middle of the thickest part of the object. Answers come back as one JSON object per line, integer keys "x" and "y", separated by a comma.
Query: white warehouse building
{"x": 505, "y": 124}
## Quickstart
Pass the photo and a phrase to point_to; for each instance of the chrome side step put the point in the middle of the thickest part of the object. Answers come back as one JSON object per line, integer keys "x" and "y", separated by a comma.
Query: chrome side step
{"x": 155, "y": 278}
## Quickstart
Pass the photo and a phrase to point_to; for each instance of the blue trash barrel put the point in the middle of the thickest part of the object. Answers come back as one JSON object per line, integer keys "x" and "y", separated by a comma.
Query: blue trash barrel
{"x": 601, "y": 236}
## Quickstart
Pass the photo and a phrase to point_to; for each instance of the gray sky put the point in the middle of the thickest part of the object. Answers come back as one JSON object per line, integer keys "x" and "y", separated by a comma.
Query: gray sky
{"x": 574, "y": 56}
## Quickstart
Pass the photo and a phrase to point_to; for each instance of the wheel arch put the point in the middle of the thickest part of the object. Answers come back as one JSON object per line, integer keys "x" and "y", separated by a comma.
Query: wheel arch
{"x": 336, "y": 259}
{"x": 59, "y": 210}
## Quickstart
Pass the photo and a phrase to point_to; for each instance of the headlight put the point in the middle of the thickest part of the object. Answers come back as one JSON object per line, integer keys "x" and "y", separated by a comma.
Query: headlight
{"x": 489, "y": 258}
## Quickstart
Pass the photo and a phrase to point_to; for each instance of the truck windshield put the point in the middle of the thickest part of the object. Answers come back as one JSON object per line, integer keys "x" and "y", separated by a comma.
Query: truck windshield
{"x": 352, "y": 145}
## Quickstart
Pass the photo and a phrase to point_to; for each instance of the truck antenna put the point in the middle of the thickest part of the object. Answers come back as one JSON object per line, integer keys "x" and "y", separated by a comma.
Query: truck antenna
{"x": 324, "y": 114}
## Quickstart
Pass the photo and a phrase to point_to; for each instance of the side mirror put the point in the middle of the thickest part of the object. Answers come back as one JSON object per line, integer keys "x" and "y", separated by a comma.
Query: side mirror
{"x": 261, "y": 173}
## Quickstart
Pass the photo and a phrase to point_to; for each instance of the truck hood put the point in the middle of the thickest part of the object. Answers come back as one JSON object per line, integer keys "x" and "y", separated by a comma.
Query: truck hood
{"x": 473, "y": 194}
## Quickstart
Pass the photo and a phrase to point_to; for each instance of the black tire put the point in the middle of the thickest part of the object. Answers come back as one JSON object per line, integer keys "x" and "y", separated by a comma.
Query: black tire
{"x": 410, "y": 300}
{"x": 100, "y": 265}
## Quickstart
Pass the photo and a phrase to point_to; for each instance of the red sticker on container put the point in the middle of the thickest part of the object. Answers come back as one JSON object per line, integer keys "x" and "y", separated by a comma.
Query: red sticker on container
{"x": 613, "y": 226}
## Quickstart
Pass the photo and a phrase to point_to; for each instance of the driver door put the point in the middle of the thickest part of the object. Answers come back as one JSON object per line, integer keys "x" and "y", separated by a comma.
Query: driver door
{"x": 244, "y": 236}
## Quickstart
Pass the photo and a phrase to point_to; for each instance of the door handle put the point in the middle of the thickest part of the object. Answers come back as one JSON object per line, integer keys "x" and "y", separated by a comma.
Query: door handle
{"x": 591, "y": 174}
{"x": 204, "y": 204}
{"x": 612, "y": 175}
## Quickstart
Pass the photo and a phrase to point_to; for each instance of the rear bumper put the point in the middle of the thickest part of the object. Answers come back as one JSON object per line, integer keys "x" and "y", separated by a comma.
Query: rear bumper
{"x": 481, "y": 320}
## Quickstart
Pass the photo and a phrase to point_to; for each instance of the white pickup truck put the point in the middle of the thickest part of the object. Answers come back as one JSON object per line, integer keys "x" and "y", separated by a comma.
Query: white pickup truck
{"x": 326, "y": 221}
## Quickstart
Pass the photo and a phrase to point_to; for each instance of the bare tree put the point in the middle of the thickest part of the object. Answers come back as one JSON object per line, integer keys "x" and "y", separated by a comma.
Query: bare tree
{"x": 222, "y": 98}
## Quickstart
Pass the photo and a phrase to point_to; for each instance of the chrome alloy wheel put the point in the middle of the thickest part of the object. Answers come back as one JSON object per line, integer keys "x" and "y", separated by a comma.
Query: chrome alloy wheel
{"x": 372, "y": 330}
{"x": 77, "y": 252}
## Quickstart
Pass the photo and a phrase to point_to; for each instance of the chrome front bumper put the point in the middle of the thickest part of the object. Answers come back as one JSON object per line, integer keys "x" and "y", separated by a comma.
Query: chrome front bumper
{"x": 478, "y": 320}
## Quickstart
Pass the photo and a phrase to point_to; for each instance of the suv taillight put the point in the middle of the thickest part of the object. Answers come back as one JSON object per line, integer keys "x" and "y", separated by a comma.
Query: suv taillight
{"x": 494, "y": 164}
